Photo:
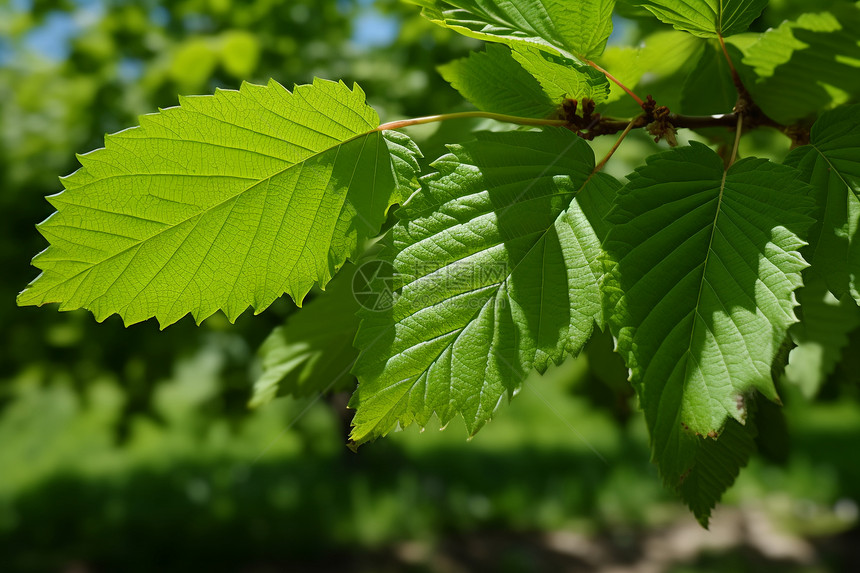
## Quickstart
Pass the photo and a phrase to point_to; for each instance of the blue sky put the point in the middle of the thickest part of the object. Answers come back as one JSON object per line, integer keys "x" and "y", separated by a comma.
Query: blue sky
{"x": 52, "y": 39}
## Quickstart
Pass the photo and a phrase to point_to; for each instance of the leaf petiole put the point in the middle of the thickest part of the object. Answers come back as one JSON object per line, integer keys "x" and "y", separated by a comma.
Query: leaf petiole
{"x": 616, "y": 81}
{"x": 615, "y": 147}
{"x": 736, "y": 78}
{"x": 399, "y": 124}
{"x": 738, "y": 132}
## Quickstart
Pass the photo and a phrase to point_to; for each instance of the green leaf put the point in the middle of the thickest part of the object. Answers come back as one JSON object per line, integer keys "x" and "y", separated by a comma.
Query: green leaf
{"x": 701, "y": 269}
{"x": 709, "y": 88}
{"x": 657, "y": 66}
{"x": 717, "y": 465}
{"x": 496, "y": 262}
{"x": 562, "y": 77}
{"x": 528, "y": 82}
{"x": 240, "y": 52}
{"x": 777, "y": 46}
{"x": 494, "y": 81}
{"x": 223, "y": 202}
{"x": 312, "y": 353}
{"x": 831, "y": 163}
{"x": 821, "y": 335}
{"x": 807, "y": 66}
{"x": 706, "y": 18}
{"x": 579, "y": 29}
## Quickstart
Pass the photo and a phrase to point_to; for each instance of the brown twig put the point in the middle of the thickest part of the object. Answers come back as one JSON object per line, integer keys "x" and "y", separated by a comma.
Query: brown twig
{"x": 610, "y": 125}
{"x": 738, "y": 132}
{"x": 615, "y": 147}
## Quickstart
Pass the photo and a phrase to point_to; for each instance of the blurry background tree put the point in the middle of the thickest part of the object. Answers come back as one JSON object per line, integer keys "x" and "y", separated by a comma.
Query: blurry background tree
{"x": 123, "y": 450}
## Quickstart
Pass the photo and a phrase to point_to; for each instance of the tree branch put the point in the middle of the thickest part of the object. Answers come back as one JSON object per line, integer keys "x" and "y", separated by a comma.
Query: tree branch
{"x": 659, "y": 120}
{"x": 609, "y": 126}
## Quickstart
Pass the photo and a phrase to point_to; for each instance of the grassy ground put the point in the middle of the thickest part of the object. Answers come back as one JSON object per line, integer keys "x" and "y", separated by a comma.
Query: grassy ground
{"x": 555, "y": 483}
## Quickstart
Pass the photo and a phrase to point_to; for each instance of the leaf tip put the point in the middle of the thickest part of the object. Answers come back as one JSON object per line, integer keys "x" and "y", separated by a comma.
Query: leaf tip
{"x": 23, "y": 298}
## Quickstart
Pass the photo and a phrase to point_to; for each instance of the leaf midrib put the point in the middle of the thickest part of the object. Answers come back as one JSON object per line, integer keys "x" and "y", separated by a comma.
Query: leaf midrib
{"x": 833, "y": 168}
{"x": 530, "y": 36}
{"x": 688, "y": 354}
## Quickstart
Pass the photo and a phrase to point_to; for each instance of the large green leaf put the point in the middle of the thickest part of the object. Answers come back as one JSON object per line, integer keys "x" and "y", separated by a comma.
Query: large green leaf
{"x": 494, "y": 81}
{"x": 574, "y": 28}
{"x": 807, "y": 65}
{"x": 528, "y": 82}
{"x": 223, "y": 202}
{"x": 831, "y": 163}
{"x": 706, "y": 18}
{"x": 821, "y": 335}
{"x": 702, "y": 266}
{"x": 657, "y": 66}
{"x": 313, "y": 351}
{"x": 709, "y": 88}
{"x": 562, "y": 77}
{"x": 496, "y": 267}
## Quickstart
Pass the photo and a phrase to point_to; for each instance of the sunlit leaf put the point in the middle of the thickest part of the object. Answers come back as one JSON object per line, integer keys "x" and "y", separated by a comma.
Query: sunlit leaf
{"x": 578, "y": 29}
{"x": 561, "y": 77}
{"x": 494, "y": 81}
{"x": 312, "y": 353}
{"x": 706, "y": 18}
{"x": 226, "y": 201}
{"x": 527, "y": 81}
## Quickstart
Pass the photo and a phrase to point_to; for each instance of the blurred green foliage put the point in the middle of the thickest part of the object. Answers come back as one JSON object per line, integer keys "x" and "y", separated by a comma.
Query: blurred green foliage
{"x": 133, "y": 449}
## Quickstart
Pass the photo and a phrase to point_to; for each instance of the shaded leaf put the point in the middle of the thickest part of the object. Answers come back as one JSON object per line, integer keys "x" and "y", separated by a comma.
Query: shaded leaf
{"x": 495, "y": 272}
{"x": 657, "y": 66}
{"x": 831, "y": 164}
{"x": 717, "y": 465}
{"x": 709, "y": 88}
{"x": 702, "y": 266}
{"x": 821, "y": 335}
{"x": 312, "y": 352}
{"x": 808, "y": 65}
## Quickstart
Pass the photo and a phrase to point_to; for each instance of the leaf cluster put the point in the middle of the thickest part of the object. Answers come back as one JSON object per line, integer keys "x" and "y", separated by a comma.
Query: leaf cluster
{"x": 515, "y": 247}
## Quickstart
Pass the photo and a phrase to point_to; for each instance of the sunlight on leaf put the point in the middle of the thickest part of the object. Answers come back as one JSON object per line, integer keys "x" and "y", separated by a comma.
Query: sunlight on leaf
{"x": 226, "y": 201}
